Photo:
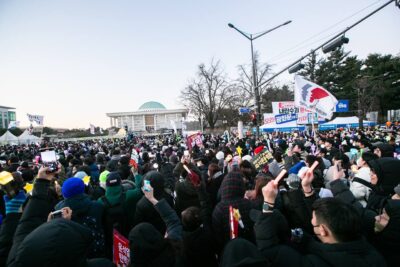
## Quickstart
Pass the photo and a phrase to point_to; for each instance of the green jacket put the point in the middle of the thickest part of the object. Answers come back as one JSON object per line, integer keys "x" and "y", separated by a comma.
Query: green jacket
{"x": 132, "y": 196}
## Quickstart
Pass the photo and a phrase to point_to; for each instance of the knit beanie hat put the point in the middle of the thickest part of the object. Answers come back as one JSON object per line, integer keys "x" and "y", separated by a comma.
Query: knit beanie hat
{"x": 72, "y": 187}
{"x": 80, "y": 174}
{"x": 113, "y": 179}
{"x": 103, "y": 178}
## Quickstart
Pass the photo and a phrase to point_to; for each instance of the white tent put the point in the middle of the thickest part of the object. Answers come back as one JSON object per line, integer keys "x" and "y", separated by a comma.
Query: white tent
{"x": 344, "y": 122}
{"x": 121, "y": 133}
{"x": 8, "y": 138}
{"x": 27, "y": 138}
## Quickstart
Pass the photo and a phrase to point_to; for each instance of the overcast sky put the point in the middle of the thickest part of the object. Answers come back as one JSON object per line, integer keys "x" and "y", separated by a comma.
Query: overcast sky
{"x": 74, "y": 60}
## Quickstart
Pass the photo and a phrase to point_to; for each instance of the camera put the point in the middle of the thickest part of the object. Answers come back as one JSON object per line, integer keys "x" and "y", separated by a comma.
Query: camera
{"x": 49, "y": 159}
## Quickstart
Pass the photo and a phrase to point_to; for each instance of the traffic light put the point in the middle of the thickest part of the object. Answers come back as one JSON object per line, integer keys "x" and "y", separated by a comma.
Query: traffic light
{"x": 296, "y": 68}
{"x": 335, "y": 44}
{"x": 253, "y": 118}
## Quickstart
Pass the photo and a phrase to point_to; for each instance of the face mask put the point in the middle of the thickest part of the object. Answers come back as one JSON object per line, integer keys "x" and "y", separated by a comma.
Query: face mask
{"x": 322, "y": 146}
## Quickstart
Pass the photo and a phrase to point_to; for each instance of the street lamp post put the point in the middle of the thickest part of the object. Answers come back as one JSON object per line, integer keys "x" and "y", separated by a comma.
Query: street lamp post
{"x": 253, "y": 37}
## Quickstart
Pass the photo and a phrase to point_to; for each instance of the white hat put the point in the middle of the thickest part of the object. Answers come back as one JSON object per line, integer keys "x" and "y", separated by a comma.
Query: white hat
{"x": 220, "y": 155}
{"x": 247, "y": 157}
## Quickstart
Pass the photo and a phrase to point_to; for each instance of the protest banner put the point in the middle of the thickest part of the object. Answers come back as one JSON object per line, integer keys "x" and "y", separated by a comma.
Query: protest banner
{"x": 121, "y": 251}
{"x": 284, "y": 107}
{"x": 262, "y": 158}
{"x": 283, "y": 118}
{"x": 194, "y": 139}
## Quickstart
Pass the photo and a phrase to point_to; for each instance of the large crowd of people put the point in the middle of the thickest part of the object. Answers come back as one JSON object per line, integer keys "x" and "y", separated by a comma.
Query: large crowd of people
{"x": 338, "y": 203}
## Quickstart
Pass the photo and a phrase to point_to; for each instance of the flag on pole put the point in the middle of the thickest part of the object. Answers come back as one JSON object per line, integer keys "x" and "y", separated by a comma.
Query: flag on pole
{"x": 235, "y": 221}
{"x": 92, "y": 129}
{"x": 314, "y": 97}
{"x": 233, "y": 224}
{"x": 36, "y": 118}
{"x": 13, "y": 124}
{"x": 134, "y": 158}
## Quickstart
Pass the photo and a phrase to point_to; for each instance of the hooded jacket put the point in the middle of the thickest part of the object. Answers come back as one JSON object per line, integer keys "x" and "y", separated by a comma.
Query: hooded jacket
{"x": 145, "y": 211}
{"x": 387, "y": 242}
{"x": 241, "y": 253}
{"x": 40, "y": 204}
{"x": 148, "y": 247}
{"x": 232, "y": 194}
{"x": 186, "y": 195}
{"x": 387, "y": 170}
{"x": 56, "y": 243}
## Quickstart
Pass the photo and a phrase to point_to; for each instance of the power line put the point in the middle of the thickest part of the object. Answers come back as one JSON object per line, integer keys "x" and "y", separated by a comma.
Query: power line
{"x": 295, "y": 48}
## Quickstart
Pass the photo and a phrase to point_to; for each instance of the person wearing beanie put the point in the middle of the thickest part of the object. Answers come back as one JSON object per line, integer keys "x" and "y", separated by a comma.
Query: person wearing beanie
{"x": 84, "y": 211}
{"x": 120, "y": 202}
{"x": 232, "y": 194}
{"x": 103, "y": 178}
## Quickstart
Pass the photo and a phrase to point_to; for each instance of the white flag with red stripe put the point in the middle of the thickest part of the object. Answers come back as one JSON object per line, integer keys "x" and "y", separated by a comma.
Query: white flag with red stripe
{"x": 314, "y": 97}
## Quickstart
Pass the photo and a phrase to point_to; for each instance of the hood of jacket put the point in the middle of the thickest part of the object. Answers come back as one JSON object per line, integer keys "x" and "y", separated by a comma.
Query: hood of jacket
{"x": 240, "y": 252}
{"x": 387, "y": 170}
{"x": 232, "y": 186}
{"x": 79, "y": 204}
{"x": 56, "y": 243}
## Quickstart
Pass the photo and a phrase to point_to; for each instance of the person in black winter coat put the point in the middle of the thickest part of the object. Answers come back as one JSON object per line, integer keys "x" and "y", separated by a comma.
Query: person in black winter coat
{"x": 85, "y": 212}
{"x": 383, "y": 230}
{"x": 31, "y": 247}
{"x": 148, "y": 247}
{"x": 213, "y": 183}
{"x": 59, "y": 242}
{"x": 384, "y": 177}
{"x": 387, "y": 233}
{"x": 241, "y": 253}
{"x": 232, "y": 194}
{"x": 335, "y": 223}
{"x": 198, "y": 237}
{"x": 145, "y": 211}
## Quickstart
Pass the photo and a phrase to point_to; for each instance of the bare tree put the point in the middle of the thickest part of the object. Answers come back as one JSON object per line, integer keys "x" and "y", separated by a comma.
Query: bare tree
{"x": 245, "y": 81}
{"x": 209, "y": 93}
{"x": 366, "y": 97}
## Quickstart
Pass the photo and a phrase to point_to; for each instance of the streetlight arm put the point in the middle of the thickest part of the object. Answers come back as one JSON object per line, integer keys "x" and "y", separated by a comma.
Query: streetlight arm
{"x": 270, "y": 30}
{"x": 239, "y": 31}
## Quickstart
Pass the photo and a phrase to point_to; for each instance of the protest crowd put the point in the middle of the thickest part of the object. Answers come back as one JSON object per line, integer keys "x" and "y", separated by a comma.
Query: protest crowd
{"x": 329, "y": 198}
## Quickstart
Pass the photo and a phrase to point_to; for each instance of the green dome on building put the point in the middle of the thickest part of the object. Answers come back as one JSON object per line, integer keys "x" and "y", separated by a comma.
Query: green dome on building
{"x": 152, "y": 105}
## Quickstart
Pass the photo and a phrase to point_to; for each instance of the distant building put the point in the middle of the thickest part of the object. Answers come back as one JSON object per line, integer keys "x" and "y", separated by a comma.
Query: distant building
{"x": 150, "y": 117}
{"x": 7, "y": 114}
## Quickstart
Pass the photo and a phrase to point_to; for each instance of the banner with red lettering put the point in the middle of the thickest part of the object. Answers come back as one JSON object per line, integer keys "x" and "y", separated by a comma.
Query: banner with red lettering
{"x": 194, "y": 139}
{"x": 121, "y": 251}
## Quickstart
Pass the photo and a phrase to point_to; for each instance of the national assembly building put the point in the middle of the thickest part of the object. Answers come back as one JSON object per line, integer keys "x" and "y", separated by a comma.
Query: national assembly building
{"x": 151, "y": 117}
